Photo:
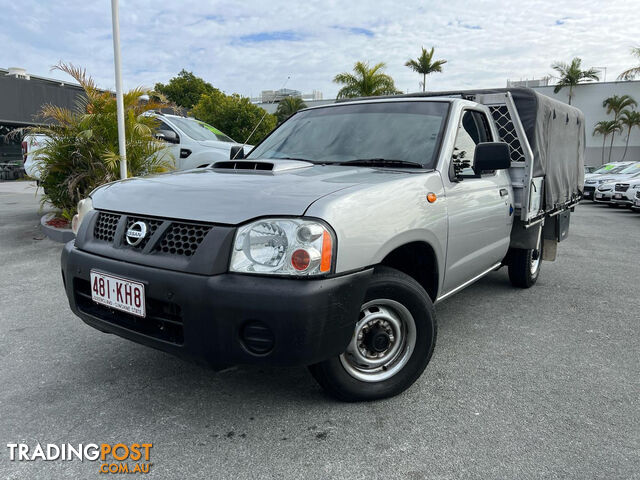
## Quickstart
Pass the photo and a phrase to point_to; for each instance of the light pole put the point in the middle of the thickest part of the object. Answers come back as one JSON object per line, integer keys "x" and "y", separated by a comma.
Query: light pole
{"x": 119, "y": 100}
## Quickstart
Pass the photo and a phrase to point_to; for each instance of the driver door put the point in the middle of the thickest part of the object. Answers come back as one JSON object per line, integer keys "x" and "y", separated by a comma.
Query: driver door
{"x": 480, "y": 207}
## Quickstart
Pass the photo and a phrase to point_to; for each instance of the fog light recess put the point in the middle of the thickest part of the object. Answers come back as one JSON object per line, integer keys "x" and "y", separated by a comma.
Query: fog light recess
{"x": 257, "y": 337}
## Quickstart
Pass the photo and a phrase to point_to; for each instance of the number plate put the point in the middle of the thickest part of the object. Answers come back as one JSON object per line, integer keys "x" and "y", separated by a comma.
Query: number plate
{"x": 617, "y": 196}
{"x": 118, "y": 293}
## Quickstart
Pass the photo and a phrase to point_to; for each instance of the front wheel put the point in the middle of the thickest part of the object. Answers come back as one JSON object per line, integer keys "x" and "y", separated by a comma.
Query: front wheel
{"x": 392, "y": 342}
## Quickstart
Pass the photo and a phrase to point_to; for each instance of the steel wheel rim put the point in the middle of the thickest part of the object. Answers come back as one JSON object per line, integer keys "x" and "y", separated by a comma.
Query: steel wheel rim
{"x": 368, "y": 366}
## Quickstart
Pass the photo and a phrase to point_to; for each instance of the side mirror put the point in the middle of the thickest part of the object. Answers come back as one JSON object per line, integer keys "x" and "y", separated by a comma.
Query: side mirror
{"x": 236, "y": 153}
{"x": 491, "y": 156}
{"x": 168, "y": 136}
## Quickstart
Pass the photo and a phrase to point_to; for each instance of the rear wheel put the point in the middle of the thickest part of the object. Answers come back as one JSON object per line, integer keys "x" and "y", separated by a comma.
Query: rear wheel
{"x": 392, "y": 342}
{"x": 524, "y": 265}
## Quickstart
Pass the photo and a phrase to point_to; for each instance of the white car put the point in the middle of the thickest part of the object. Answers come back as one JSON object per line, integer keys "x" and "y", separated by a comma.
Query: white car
{"x": 620, "y": 171}
{"x": 624, "y": 193}
{"x": 30, "y": 155}
{"x": 604, "y": 192}
{"x": 193, "y": 143}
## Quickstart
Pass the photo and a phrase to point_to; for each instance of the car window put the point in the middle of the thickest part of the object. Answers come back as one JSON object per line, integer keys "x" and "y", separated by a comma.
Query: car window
{"x": 473, "y": 129}
{"x": 199, "y": 131}
{"x": 163, "y": 126}
{"x": 633, "y": 168}
{"x": 406, "y": 131}
{"x": 604, "y": 169}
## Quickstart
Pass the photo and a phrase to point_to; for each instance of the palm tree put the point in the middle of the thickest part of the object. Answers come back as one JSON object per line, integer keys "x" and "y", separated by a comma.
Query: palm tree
{"x": 616, "y": 104}
{"x": 606, "y": 128}
{"x": 425, "y": 65}
{"x": 632, "y": 72}
{"x": 629, "y": 119}
{"x": 572, "y": 74}
{"x": 288, "y": 106}
{"x": 365, "y": 81}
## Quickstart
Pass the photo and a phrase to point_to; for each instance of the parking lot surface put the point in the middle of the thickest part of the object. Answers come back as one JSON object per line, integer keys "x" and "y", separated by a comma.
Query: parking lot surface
{"x": 538, "y": 383}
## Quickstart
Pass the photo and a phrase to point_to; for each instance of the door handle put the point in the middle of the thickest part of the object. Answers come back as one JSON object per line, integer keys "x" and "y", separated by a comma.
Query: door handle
{"x": 504, "y": 192}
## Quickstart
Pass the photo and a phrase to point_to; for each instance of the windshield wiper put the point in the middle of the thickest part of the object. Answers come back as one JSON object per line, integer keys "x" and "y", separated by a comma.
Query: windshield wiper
{"x": 382, "y": 162}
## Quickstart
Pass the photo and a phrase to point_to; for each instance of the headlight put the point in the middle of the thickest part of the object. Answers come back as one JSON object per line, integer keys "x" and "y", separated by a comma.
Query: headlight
{"x": 84, "y": 206}
{"x": 604, "y": 180}
{"x": 283, "y": 246}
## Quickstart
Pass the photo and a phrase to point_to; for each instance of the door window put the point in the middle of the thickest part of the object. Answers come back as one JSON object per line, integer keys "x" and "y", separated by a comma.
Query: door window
{"x": 473, "y": 129}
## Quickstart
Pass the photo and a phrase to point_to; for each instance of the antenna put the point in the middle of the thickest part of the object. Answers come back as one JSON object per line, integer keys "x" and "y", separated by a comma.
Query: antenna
{"x": 258, "y": 124}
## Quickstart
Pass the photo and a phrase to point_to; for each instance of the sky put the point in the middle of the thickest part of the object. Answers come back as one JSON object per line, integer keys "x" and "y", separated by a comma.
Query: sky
{"x": 249, "y": 46}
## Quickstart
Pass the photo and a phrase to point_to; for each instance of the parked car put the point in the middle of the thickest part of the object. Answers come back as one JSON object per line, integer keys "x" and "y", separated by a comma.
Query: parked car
{"x": 330, "y": 243}
{"x": 624, "y": 193}
{"x": 30, "y": 154}
{"x": 620, "y": 171}
{"x": 604, "y": 192}
{"x": 193, "y": 143}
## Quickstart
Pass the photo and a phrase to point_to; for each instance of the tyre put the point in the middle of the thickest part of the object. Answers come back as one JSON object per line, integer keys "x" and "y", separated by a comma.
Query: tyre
{"x": 392, "y": 342}
{"x": 524, "y": 265}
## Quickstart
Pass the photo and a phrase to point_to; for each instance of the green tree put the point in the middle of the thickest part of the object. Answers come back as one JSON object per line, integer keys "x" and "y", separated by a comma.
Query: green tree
{"x": 235, "y": 115}
{"x": 425, "y": 65}
{"x": 365, "y": 81}
{"x": 184, "y": 89}
{"x": 606, "y": 128}
{"x": 632, "y": 72}
{"x": 629, "y": 119}
{"x": 82, "y": 151}
{"x": 288, "y": 106}
{"x": 615, "y": 105}
{"x": 571, "y": 75}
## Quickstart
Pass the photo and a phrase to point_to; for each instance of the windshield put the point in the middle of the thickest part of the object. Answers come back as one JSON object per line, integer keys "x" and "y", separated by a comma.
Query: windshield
{"x": 633, "y": 168}
{"x": 199, "y": 130}
{"x": 604, "y": 169}
{"x": 400, "y": 131}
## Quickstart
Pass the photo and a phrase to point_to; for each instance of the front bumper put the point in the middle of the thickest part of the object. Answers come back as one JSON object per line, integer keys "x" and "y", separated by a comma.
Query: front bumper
{"x": 621, "y": 198}
{"x": 224, "y": 319}
{"x": 602, "y": 197}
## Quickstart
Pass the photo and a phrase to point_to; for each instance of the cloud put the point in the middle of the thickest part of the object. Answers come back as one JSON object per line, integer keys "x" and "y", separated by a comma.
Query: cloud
{"x": 286, "y": 36}
{"x": 250, "y": 46}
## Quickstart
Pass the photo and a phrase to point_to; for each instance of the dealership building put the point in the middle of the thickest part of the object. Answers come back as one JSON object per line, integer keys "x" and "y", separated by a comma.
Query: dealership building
{"x": 21, "y": 99}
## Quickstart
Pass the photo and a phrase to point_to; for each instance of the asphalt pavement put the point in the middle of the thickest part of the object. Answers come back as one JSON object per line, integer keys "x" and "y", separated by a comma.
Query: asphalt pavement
{"x": 538, "y": 383}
